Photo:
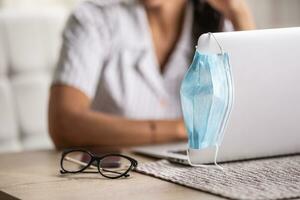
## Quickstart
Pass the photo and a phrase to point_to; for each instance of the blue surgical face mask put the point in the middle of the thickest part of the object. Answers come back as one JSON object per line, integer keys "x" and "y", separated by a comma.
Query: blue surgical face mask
{"x": 206, "y": 100}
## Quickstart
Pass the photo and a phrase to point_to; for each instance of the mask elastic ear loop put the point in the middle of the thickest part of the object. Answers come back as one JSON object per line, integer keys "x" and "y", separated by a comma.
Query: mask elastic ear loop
{"x": 202, "y": 165}
{"x": 215, "y": 158}
{"x": 220, "y": 47}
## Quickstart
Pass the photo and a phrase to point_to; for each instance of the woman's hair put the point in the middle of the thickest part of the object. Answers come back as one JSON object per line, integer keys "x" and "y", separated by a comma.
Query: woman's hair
{"x": 206, "y": 19}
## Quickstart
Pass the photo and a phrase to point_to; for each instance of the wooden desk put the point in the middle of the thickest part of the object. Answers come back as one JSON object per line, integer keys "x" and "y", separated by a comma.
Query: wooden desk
{"x": 35, "y": 175}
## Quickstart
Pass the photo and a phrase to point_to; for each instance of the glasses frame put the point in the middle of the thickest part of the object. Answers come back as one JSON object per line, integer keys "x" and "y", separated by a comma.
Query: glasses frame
{"x": 94, "y": 157}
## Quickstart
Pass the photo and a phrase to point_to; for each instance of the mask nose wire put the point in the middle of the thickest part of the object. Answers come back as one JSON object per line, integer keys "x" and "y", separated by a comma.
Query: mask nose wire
{"x": 220, "y": 47}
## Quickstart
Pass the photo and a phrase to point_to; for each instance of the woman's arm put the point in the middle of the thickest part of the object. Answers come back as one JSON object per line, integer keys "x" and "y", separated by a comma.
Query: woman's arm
{"x": 73, "y": 123}
{"x": 237, "y": 11}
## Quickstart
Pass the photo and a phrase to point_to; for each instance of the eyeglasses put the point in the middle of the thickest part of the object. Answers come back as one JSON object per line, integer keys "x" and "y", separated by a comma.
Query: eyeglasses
{"x": 111, "y": 166}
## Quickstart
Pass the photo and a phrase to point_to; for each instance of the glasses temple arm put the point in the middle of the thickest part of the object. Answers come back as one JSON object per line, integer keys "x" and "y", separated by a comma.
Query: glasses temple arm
{"x": 79, "y": 162}
{"x": 114, "y": 172}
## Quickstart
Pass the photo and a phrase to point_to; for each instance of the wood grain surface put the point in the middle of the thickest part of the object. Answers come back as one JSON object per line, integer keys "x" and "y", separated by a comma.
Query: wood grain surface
{"x": 35, "y": 175}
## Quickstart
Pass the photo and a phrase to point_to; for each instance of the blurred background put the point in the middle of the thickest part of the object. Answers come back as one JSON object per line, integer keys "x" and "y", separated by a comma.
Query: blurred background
{"x": 30, "y": 39}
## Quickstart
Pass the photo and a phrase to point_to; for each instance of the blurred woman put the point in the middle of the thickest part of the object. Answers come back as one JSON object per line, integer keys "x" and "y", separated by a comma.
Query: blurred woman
{"x": 121, "y": 65}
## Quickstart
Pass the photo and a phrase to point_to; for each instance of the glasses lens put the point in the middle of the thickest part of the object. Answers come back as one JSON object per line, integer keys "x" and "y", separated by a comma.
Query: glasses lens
{"x": 114, "y": 166}
{"x": 76, "y": 161}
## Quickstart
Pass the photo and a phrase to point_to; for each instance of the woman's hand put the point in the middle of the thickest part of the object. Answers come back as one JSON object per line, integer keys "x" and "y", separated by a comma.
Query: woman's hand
{"x": 235, "y": 10}
{"x": 181, "y": 130}
{"x": 228, "y": 7}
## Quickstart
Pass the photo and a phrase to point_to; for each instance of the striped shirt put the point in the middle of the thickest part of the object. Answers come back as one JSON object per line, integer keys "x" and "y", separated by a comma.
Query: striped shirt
{"x": 108, "y": 54}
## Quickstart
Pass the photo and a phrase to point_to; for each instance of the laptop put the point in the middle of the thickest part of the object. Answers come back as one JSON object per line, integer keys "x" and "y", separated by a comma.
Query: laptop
{"x": 265, "y": 119}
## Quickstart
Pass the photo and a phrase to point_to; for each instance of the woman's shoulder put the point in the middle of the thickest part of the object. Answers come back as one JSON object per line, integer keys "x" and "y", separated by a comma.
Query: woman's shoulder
{"x": 108, "y": 12}
{"x": 109, "y": 3}
{"x": 117, "y": 19}
{"x": 102, "y": 6}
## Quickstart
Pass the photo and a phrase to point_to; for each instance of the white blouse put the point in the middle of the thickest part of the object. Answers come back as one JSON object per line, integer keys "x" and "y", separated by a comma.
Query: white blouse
{"x": 108, "y": 54}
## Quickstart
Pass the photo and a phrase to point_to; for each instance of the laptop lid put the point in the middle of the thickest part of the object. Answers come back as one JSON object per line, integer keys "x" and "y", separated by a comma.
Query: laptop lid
{"x": 265, "y": 120}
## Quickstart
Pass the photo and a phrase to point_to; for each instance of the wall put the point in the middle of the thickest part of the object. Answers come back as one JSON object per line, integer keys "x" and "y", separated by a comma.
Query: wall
{"x": 276, "y": 13}
{"x": 268, "y": 13}
{"x": 36, "y": 3}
